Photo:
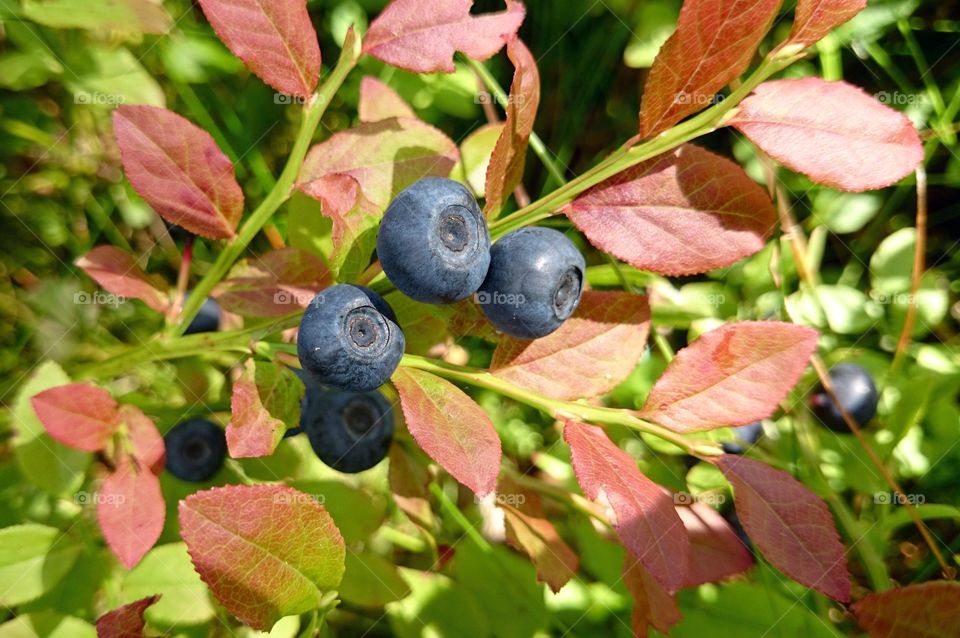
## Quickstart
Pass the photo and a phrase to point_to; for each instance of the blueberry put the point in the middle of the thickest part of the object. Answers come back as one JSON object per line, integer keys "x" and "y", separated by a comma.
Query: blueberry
{"x": 534, "y": 282}
{"x": 745, "y": 434}
{"x": 349, "y": 431}
{"x": 207, "y": 319}
{"x": 433, "y": 242}
{"x": 856, "y": 392}
{"x": 349, "y": 339}
{"x": 195, "y": 450}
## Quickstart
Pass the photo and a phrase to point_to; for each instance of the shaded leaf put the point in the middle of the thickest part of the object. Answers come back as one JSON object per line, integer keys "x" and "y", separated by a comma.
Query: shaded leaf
{"x": 126, "y": 621}
{"x": 452, "y": 429}
{"x": 131, "y": 511}
{"x": 47, "y": 624}
{"x": 408, "y": 483}
{"x": 371, "y": 580}
{"x": 505, "y": 170}
{"x": 167, "y": 570}
{"x": 927, "y": 610}
{"x": 678, "y": 214}
{"x": 265, "y": 551}
{"x": 139, "y": 16}
{"x": 274, "y": 284}
{"x": 789, "y": 524}
{"x": 380, "y": 102}
{"x": 77, "y": 414}
{"x": 33, "y": 559}
{"x": 422, "y": 36}
{"x": 653, "y": 605}
{"x": 589, "y": 355}
{"x": 116, "y": 271}
{"x": 734, "y": 375}
{"x": 850, "y": 141}
{"x": 716, "y": 552}
{"x": 642, "y": 513}
{"x": 179, "y": 170}
{"x": 274, "y": 38}
{"x": 265, "y": 402}
{"x": 475, "y": 152}
{"x": 817, "y": 18}
{"x": 713, "y": 44}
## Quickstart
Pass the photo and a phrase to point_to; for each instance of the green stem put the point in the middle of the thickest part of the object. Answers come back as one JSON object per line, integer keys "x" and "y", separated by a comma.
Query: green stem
{"x": 312, "y": 113}
{"x": 458, "y": 516}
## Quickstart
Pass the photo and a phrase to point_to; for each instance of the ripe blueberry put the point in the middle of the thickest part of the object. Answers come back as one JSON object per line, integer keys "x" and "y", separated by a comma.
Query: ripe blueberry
{"x": 856, "y": 392}
{"x": 349, "y": 431}
{"x": 433, "y": 242}
{"x": 746, "y": 435}
{"x": 195, "y": 450}
{"x": 207, "y": 319}
{"x": 534, "y": 282}
{"x": 349, "y": 339}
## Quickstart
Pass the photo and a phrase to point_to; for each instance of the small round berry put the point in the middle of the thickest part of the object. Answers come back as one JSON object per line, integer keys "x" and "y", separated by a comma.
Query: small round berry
{"x": 746, "y": 436}
{"x": 196, "y": 449}
{"x": 349, "y": 431}
{"x": 856, "y": 392}
{"x": 207, "y": 318}
{"x": 349, "y": 339}
{"x": 534, "y": 282}
{"x": 433, "y": 242}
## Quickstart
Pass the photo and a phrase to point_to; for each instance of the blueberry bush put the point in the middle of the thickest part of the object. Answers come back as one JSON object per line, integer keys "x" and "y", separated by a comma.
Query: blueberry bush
{"x": 316, "y": 327}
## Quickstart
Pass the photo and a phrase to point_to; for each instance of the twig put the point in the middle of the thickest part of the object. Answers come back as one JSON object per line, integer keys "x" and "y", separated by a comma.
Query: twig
{"x": 919, "y": 264}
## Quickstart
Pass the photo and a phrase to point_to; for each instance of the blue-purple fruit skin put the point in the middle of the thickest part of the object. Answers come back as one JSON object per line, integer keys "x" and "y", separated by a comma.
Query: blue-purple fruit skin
{"x": 856, "y": 392}
{"x": 349, "y": 431}
{"x": 746, "y": 435}
{"x": 207, "y": 318}
{"x": 195, "y": 450}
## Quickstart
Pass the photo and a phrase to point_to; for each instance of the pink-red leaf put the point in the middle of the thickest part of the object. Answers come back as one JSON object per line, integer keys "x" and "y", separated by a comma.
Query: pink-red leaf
{"x": 653, "y": 605}
{"x": 274, "y": 38}
{"x": 713, "y": 44}
{"x": 145, "y": 440}
{"x": 380, "y": 102}
{"x": 642, "y": 513}
{"x": 817, "y": 18}
{"x": 684, "y": 213}
{"x": 422, "y": 36}
{"x": 505, "y": 170}
{"x": 131, "y": 511}
{"x": 77, "y": 414}
{"x": 116, "y": 271}
{"x": 178, "y": 169}
{"x": 927, "y": 610}
{"x": 274, "y": 284}
{"x": 408, "y": 483}
{"x": 589, "y": 355}
{"x": 126, "y": 621}
{"x": 451, "y": 428}
{"x": 789, "y": 524}
{"x": 265, "y": 551}
{"x": 716, "y": 552}
{"x": 850, "y": 141}
{"x": 733, "y": 375}
{"x": 266, "y": 398}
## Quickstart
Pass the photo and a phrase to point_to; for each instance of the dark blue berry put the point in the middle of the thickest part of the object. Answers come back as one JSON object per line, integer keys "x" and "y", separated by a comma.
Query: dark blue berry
{"x": 195, "y": 450}
{"x": 349, "y": 431}
{"x": 746, "y": 435}
{"x": 349, "y": 339}
{"x": 856, "y": 392}
{"x": 207, "y": 319}
{"x": 433, "y": 242}
{"x": 534, "y": 282}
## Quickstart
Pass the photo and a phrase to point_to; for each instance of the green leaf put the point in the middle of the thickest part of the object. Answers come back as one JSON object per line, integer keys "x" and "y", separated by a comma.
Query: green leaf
{"x": 195, "y": 60}
{"x": 138, "y": 16}
{"x": 47, "y": 625}
{"x": 307, "y": 227}
{"x": 266, "y": 401}
{"x": 371, "y": 581}
{"x": 892, "y": 263}
{"x": 109, "y": 77}
{"x": 357, "y": 513}
{"x": 167, "y": 570}
{"x": 845, "y": 212}
{"x": 46, "y": 463}
{"x": 439, "y": 603}
{"x": 475, "y": 152}
{"x": 20, "y": 70}
{"x": 33, "y": 559}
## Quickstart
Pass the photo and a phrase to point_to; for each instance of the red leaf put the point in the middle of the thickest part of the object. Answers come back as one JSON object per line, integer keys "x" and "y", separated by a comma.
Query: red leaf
{"x": 678, "y": 214}
{"x": 850, "y": 141}
{"x": 275, "y": 38}
{"x": 653, "y": 605}
{"x": 380, "y": 102}
{"x": 118, "y": 272}
{"x": 589, "y": 355}
{"x": 789, "y": 524}
{"x": 452, "y": 429}
{"x": 505, "y": 170}
{"x": 422, "y": 36}
{"x": 126, "y": 621}
{"x": 177, "y": 167}
{"x": 265, "y": 551}
{"x": 927, "y": 610}
{"x": 77, "y": 414}
{"x": 817, "y": 18}
{"x": 716, "y": 550}
{"x": 145, "y": 439}
{"x": 642, "y": 513}
{"x": 274, "y": 284}
{"x": 713, "y": 44}
{"x": 265, "y": 399}
{"x": 408, "y": 483}
{"x": 734, "y": 375}
{"x": 131, "y": 511}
